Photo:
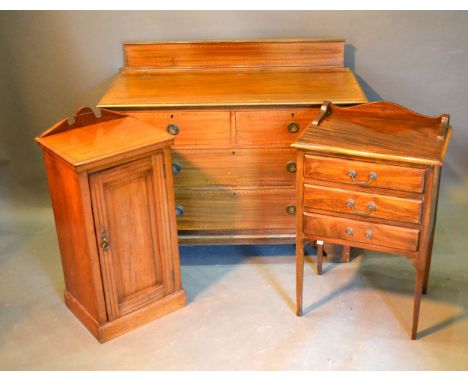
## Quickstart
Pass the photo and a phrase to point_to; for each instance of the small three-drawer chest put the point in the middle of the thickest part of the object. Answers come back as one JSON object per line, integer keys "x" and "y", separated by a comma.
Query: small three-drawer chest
{"x": 368, "y": 177}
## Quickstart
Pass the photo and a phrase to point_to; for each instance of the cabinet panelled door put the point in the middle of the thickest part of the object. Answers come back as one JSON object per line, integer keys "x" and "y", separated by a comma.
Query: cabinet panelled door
{"x": 129, "y": 217}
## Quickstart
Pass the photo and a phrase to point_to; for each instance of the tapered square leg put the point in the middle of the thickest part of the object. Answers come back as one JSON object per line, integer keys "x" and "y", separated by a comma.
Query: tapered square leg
{"x": 418, "y": 288}
{"x": 428, "y": 263}
{"x": 319, "y": 256}
{"x": 299, "y": 274}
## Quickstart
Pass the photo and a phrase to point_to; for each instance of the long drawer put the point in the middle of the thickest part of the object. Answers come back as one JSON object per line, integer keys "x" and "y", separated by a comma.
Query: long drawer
{"x": 365, "y": 174}
{"x": 191, "y": 128}
{"x": 362, "y": 203}
{"x": 218, "y": 209}
{"x": 258, "y": 127}
{"x": 327, "y": 227}
{"x": 229, "y": 167}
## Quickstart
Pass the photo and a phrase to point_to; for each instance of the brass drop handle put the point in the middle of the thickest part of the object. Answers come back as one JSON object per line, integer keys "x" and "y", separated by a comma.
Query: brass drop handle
{"x": 372, "y": 177}
{"x": 371, "y": 206}
{"x": 104, "y": 241}
{"x": 291, "y": 209}
{"x": 173, "y": 129}
{"x": 176, "y": 167}
{"x": 179, "y": 210}
{"x": 291, "y": 166}
{"x": 293, "y": 127}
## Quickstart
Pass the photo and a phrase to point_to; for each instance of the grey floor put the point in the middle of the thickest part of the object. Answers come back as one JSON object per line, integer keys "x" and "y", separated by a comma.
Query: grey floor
{"x": 240, "y": 311}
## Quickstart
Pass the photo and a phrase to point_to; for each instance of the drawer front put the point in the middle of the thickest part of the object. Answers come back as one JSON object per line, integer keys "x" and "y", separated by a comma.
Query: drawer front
{"x": 191, "y": 128}
{"x": 216, "y": 209}
{"x": 272, "y": 126}
{"x": 361, "y": 232}
{"x": 365, "y": 174}
{"x": 361, "y": 203}
{"x": 229, "y": 167}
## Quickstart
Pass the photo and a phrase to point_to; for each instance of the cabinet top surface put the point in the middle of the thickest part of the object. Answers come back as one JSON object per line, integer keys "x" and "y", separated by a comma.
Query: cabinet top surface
{"x": 379, "y": 130}
{"x": 211, "y": 88}
{"x": 111, "y": 135}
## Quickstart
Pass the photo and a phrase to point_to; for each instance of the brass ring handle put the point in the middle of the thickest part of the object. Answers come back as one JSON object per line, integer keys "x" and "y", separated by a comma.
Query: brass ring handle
{"x": 371, "y": 206}
{"x": 179, "y": 210}
{"x": 176, "y": 167}
{"x": 293, "y": 127}
{"x": 372, "y": 177}
{"x": 173, "y": 129}
{"x": 291, "y": 209}
{"x": 291, "y": 166}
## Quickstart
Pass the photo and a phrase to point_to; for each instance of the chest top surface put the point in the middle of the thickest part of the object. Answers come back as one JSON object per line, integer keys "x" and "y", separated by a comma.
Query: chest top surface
{"x": 379, "y": 130}
{"x": 233, "y": 73}
{"x": 90, "y": 139}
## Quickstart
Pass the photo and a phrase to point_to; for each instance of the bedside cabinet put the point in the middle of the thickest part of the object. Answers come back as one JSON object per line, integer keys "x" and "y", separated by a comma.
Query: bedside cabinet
{"x": 114, "y": 209}
{"x": 368, "y": 176}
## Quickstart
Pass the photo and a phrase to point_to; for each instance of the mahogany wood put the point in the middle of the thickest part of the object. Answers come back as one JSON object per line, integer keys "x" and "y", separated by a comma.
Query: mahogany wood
{"x": 235, "y": 209}
{"x": 238, "y": 97}
{"x": 387, "y": 176}
{"x": 386, "y": 207}
{"x": 266, "y": 127}
{"x": 405, "y": 150}
{"x": 112, "y": 197}
{"x": 356, "y": 232}
{"x": 234, "y": 167}
{"x": 202, "y": 54}
{"x": 196, "y": 128}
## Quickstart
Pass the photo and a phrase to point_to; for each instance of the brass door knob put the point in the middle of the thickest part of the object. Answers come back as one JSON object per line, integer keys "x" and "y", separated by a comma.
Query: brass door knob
{"x": 349, "y": 230}
{"x": 176, "y": 167}
{"x": 291, "y": 166}
{"x": 293, "y": 127}
{"x": 291, "y": 209}
{"x": 179, "y": 210}
{"x": 369, "y": 234}
{"x": 173, "y": 129}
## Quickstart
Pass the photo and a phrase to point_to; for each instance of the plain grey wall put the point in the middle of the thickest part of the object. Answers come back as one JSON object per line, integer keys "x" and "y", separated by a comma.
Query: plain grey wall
{"x": 54, "y": 62}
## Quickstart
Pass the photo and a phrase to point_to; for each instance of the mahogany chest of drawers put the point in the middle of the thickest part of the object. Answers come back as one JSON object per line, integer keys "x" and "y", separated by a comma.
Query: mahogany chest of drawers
{"x": 113, "y": 203}
{"x": 234, "y": 109}
{"x": 368, "y": 176}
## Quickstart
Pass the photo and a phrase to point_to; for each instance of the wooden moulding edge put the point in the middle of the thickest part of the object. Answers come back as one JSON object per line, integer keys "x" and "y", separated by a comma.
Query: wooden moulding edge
{"x": 150, "y": 312}
{"x": 111, "y": 329}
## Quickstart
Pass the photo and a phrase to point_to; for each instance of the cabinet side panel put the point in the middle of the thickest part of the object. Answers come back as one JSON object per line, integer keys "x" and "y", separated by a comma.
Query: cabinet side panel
{"x": 80, "y": 268}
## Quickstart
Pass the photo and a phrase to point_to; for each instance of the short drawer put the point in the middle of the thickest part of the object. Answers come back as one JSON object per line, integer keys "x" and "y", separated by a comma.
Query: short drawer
{"x": 361, "y": 232}
{"x": 191, "y": 128}
{"x": 230, "y": 167}
{"x": 228, "y": 209}
{"x": 365, "y": 174}
{"x": 272, "y": 126}
{"x": 362, "y": 203}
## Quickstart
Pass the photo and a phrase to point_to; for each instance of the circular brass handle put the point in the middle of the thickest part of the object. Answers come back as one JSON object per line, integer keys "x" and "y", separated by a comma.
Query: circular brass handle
{"x": 349, "y": 230}
{"x": 173, "y": 129}
{"x": 293, "y": 127}
{"x": 371, "y": 207}
{"x": 179, "y": 210}
{"x": 372, "y": 177}
{"x": 369, "y": 234}
{"x": 176, "y": 167}
{"x": 291, "y": 166}
{"x": 291, "y": 209}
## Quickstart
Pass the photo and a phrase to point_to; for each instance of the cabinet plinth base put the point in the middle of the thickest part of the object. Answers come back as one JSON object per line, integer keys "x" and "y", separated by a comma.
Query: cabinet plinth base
{"x": 111, "y": 329}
